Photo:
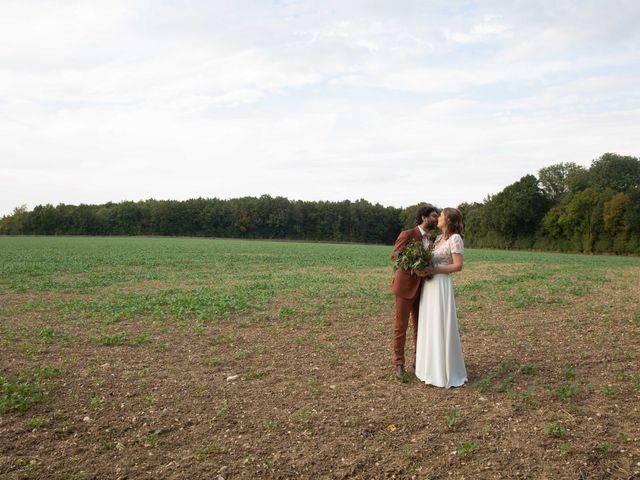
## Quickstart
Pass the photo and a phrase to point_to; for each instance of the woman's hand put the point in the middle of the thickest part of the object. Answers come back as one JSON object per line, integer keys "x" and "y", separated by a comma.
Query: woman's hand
{"x": 424, "y": 273}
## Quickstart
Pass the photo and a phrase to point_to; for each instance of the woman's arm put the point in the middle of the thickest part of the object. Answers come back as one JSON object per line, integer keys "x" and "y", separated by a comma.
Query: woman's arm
{"x": 456, "y": 266}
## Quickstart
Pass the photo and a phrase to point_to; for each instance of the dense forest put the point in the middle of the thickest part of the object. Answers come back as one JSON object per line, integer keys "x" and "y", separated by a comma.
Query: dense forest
{"x": 565, "y": 208}
{"x": 247, "y": 217}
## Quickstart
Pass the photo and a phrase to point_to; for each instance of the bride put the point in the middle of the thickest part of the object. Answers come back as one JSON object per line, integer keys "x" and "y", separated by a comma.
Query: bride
{"x": 439, "y": 359}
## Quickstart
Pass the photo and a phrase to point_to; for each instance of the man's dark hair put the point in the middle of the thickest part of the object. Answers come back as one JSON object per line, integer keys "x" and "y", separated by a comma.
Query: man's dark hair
{"x": 425, "y": 211}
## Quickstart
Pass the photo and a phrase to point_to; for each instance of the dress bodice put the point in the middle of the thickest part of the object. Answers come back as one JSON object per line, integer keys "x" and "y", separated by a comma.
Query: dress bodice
{"x": 443, "y": 249}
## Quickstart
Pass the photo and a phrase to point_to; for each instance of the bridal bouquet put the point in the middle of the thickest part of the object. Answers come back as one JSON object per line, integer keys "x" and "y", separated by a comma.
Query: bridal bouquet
{"x": 413, "y": 256}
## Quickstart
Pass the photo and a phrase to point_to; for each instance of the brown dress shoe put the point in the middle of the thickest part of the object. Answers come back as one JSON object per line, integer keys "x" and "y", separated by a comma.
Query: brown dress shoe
{"x": 400, "y": 371}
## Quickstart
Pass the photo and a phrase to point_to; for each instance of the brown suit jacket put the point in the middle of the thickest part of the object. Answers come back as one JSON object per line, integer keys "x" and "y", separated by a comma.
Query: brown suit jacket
{"x": 404, "y": 284}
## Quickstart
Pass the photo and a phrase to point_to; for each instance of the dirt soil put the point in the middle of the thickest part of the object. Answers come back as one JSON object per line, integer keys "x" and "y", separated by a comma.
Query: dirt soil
{"x": 271, "y": 399}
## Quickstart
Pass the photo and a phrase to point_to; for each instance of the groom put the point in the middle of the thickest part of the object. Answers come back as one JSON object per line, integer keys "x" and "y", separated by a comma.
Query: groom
{"x": 406, "y": 285}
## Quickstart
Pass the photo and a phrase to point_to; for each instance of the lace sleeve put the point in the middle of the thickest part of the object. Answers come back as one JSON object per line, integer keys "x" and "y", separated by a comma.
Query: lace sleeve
{"x": 457, "y": 244}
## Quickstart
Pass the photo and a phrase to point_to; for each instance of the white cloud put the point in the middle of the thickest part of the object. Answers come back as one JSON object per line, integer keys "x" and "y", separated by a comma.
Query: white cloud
{"x": 489, "y": 29}
{"x": 133, "y": 99}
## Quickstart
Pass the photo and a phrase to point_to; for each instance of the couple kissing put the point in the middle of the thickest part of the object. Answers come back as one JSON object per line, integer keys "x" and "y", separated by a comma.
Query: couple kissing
{"x": 426, "y": 296}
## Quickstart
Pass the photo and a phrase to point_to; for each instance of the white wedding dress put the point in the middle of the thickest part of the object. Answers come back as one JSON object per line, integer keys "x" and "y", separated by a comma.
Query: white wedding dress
{"x": 439, "y": 359}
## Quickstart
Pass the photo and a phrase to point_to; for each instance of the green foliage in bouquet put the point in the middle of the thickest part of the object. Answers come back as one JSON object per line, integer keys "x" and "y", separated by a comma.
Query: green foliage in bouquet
{"x": 413, "y": 256}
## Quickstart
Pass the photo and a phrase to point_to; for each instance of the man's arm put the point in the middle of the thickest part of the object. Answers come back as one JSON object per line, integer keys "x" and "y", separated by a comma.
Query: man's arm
{"x": 401, "y": 241}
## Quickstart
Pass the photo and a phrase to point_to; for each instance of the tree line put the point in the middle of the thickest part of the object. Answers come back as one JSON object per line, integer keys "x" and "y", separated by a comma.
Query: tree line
{"x": 248, "y": 217}
{"x": 566, "y": 207}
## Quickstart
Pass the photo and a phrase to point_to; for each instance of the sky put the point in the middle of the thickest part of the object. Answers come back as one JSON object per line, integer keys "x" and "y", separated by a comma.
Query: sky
{"x": 394, "y": 102}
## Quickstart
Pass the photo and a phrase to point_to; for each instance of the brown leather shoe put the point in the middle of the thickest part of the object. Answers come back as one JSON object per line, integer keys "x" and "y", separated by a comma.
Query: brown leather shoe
{"x": 400, "y": 371}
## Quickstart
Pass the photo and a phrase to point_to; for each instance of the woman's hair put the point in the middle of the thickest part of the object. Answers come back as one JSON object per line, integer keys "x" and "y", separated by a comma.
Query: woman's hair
{"x": 453, "y": 217}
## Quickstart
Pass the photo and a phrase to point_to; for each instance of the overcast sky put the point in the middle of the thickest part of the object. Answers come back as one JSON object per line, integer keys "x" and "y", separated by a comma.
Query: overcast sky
{"x": 394, "y": 102}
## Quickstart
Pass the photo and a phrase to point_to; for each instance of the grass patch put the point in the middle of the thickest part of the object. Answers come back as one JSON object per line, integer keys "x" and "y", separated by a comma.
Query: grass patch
{"x": 468, "y": 449}
{"x": 51, "y": 334}
{"x": 453, "y": 417}
{"x": 555, "y": 429}
{"x": 214, "y": 448}
{"x": 16, "y": 395}
{"x": 114, "y": 340}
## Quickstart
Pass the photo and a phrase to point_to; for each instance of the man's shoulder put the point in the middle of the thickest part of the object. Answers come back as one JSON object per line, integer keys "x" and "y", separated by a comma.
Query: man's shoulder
{"x": 406, "y": 235}
{"x": 403, "y": 237}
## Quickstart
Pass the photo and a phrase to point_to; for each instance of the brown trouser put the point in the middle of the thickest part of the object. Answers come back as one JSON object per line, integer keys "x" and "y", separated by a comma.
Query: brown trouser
{"x": 404, "y": 308}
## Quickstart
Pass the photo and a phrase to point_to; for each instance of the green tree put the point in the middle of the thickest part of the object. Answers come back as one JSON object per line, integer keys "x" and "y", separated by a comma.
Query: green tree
{"x": 614, "y": 212}
{"x": 124, "y": 218}
{"x": 474, "y": 223}
{"x": 615, "y": 172}
{"x": 86, "y": 221}
{"x": 515, "y": 214}
{"x": 582, "y": 219}
{"x": 551, "y": 223}
{"x": 14, "y": 224}
{"x": 614, "y": 222}
{"x": 555, "y": 179}
{"x": 43, "y": 220}
{"x": 632, "y": 212}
